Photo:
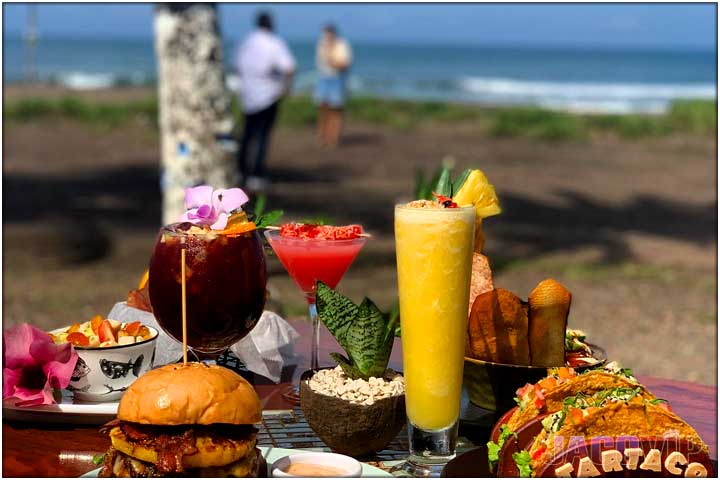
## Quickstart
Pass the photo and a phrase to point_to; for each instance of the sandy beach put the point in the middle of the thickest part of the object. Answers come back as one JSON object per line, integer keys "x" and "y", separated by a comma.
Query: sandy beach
{"x": 629, "y": 226}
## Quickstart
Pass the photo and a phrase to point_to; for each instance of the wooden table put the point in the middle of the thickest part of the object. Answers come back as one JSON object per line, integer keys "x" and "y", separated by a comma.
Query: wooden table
{"x": 34, "y": 450}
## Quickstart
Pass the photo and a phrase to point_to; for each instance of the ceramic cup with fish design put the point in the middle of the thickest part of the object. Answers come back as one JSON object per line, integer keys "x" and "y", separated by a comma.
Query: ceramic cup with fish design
{"x": 102, "y": 374}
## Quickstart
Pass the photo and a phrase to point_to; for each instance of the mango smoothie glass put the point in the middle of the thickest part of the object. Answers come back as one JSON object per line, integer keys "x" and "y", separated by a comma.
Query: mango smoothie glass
{"x": 434, "y": 248}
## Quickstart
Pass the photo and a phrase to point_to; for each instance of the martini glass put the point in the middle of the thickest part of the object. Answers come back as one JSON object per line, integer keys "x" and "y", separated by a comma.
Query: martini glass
{"x": 308, "y": 260}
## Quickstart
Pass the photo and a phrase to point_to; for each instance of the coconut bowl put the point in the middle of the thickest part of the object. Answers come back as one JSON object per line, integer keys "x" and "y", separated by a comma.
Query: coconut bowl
{"x": 492, "y": 386}
{"x": 349, "y": 428}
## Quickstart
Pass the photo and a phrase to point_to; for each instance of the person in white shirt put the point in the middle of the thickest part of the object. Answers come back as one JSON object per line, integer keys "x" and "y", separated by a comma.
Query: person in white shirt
{"x": 333, "y": 58}
{"x": 266, "y": 67}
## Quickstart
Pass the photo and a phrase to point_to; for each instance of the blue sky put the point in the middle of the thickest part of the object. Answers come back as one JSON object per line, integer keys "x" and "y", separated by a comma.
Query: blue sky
{"x": 567, "y": 25}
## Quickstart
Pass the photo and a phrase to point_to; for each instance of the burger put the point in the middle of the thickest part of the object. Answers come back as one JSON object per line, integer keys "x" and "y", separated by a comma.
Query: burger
{"x": 191, "y": 419}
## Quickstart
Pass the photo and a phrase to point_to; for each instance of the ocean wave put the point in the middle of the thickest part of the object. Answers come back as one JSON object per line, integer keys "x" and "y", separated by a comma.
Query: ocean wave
{"x": 569, "y": 90}
{"x": 77, "y": 80}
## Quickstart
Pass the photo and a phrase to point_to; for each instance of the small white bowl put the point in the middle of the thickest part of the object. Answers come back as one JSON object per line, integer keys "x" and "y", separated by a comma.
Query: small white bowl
{"x": 349, "y": 465}
{"x": 102, "y": 374}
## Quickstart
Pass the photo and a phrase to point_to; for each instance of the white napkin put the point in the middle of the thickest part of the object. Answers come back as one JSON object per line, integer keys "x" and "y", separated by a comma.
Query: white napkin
{"x": 264, "y": 351}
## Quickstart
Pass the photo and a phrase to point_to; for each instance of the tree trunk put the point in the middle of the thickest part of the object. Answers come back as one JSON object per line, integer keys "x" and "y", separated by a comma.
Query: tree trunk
{"x": 194, "y": 104}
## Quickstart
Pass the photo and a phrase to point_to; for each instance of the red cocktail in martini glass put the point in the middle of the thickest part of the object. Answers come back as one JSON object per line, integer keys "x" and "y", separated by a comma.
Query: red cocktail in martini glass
{"x": 310, "y": 253}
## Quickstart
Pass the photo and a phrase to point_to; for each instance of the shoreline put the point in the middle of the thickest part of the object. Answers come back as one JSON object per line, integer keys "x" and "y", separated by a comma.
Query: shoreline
{"x": 475, "y": 92}
{"x": 114, "y": 106}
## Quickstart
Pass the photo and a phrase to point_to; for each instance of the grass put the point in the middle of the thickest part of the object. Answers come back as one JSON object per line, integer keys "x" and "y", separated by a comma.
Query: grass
{"x": 593, "y": 271}
{"x": 102, "y": 114}
{"x": 697, "y": 117}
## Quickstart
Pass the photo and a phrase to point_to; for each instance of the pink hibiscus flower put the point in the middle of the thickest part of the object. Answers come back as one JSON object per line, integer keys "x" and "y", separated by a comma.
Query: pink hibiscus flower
{"x": 34, "y": 365}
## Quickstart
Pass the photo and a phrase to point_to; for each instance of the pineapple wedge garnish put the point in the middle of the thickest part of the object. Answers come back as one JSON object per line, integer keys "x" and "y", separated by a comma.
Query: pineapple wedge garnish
{"x": 478, "y": 192}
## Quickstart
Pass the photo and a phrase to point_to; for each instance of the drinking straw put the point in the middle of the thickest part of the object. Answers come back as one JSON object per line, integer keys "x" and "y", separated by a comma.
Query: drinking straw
{"x": 184, "y": 302}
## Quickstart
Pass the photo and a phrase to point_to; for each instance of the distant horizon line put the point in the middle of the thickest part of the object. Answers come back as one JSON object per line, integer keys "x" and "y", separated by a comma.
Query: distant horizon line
{"x": 418, "y": 43}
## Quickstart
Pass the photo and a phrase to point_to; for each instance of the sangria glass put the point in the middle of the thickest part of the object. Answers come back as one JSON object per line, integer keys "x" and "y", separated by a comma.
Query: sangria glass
{"x": 225, "y": 279}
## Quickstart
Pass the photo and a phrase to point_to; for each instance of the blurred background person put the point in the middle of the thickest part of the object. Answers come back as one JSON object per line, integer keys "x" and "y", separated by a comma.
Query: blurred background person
{"x": 266, "y": 67}
{"x": 333, "y": 58}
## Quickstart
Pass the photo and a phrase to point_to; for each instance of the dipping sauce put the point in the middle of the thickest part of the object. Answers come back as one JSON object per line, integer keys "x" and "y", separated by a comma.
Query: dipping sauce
{"x": 313, "y": 470}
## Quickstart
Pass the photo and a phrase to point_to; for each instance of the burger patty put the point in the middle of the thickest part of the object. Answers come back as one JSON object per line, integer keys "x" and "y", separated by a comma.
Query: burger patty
{"x": 117, "y": 464}
{"x": 174, "y": 449}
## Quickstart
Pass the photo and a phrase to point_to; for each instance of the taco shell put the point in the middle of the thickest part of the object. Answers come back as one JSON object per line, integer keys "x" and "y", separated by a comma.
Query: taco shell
{"x": 638, "y": 418}
{"x": 587, "y": 383}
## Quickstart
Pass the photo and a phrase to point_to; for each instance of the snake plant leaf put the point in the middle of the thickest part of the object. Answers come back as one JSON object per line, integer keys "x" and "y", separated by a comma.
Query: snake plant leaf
{"x": 350, "y": 371}
{"x": 336, "y": 311}
{"x": 367, "y": 342}
{"x": 393, "y": 319}
{"x": 364, "y": 332}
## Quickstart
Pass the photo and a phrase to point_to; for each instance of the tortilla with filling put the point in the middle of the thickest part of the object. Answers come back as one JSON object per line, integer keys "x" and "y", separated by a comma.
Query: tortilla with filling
{"x": 634, "y": 416}
{"x": 552, "y": 399}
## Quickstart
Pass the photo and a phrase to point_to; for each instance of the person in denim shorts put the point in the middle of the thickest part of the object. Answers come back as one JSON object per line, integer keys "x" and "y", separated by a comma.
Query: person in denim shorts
{"x": 333, "y": 58}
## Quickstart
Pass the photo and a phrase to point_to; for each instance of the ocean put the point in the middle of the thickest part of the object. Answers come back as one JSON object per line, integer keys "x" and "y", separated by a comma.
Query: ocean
{"x": 592, "y": 81}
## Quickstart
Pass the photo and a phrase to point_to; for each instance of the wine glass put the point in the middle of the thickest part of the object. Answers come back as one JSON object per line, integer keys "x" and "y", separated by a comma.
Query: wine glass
{"x": 225, "y": 279}
{"x": 308, "y": 260}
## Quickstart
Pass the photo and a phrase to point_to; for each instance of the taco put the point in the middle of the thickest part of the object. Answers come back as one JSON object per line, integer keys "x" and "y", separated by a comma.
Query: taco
{"x": 548, "y": 395}
{"x": 616, "y": 412}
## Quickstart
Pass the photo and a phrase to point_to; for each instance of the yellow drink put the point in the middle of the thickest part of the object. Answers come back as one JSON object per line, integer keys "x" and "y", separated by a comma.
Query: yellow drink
{"x": 434, "y": 261}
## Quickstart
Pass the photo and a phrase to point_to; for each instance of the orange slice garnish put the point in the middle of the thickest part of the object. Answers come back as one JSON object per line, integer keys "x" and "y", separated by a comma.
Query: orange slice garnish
{"x": 236, "y": 229}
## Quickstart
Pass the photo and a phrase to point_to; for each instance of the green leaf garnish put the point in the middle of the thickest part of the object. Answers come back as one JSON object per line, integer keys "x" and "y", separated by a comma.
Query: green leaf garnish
{"x": 259, "y": 207}
{"x": 363, "y": 331}
{"x": 522, "y": 460}
{"x": 257, "y": 213}
{"x": 494, "y": 448}
{"x": 444, "y": 185}
{"x": 268, "y": 219}
{"x": 98, "y": 459}
{"x": 460, "y": 180}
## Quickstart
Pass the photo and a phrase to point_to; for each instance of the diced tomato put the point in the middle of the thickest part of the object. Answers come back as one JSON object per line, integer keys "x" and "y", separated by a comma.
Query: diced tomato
{"x": 105, "y": 332}
{"x": 95, "y": 323}
{"x": 133, "y": 328}
{"x": 539, "y": 397}
{"x": 539, "y": 452}
{"x": 79, "y": 339}
{"x": 576, "y": 416}
{"x": 75, "y": 327}
{"x": 523, "y": 390}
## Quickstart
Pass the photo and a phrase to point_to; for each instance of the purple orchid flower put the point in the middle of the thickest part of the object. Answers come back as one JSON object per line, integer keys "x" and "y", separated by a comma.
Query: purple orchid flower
{"x": 206, "y": 206}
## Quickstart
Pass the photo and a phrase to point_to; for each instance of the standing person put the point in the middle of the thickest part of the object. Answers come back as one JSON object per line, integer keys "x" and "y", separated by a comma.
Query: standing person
{"x": 333, "y": 58}
{"x": 266, "y": 67}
